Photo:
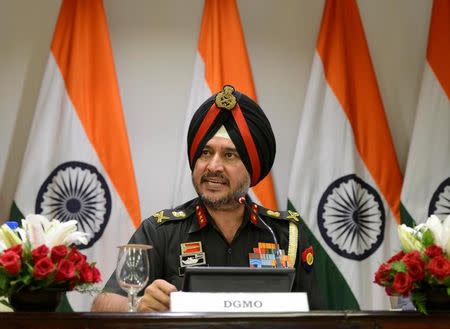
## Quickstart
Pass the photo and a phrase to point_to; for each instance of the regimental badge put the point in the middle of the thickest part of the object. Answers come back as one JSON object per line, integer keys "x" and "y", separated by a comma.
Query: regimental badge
{"x": 293, "y": 215}
{"x": 308, "y": 258}
{"x": 159, "y": 216}
{"x": 225, "y": 98}
{"x": 192, "y": 259}
{"x": 191, "y": 255}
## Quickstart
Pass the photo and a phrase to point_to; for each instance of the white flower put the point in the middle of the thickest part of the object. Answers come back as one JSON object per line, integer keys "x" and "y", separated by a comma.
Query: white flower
{"x": 64, "y": 233}
{"x": 39, "y": 230}
{"x": 446, "y": 235}
{"x": 435, "y": 226}
{"x": 8, "y": 237}
{"x": 76, "y": 237}
{"x": 34, "y": 227}
{"x": 408, "y": 238}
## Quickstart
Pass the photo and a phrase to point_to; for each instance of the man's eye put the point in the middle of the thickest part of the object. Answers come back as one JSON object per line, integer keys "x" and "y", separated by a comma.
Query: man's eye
{"x": 205, "y": 152}
{"x": 230, "y": 155}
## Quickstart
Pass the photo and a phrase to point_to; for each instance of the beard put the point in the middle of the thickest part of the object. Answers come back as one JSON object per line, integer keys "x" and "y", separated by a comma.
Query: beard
{"x": 227, "y": 202}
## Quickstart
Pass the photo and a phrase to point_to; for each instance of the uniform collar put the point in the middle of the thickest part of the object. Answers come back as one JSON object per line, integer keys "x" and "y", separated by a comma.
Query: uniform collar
{"x": 202, "y": 216}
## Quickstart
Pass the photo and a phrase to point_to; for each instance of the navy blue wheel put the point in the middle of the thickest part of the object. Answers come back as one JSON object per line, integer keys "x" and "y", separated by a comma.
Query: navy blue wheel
{"x": 76, "y": 191}
{"x": 351, "y": 217}
{"x": 440, "y": 201}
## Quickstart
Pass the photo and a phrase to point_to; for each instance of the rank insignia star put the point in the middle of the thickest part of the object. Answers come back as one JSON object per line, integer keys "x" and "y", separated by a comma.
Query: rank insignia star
{"x": 273, "y": 213}
{"x": 179, "y": 214}
{"x": 159, "y": 216}
{"x": 293, "y": 215}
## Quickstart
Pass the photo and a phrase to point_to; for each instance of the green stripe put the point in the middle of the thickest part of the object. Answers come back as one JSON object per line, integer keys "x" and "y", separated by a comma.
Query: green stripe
{"x": 339, "y": 295}
{"x": 16, "y": 214}
{"x": 64, "y": 306}
{"x": 406, "y": 218}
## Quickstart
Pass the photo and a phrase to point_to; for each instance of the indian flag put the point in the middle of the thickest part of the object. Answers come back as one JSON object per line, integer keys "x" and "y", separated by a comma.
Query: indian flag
{"x": 426, "y": 190}
{"x": 345, "y": 180}
{"x": 221, "y": 59}
{"x": 77, "y": 163}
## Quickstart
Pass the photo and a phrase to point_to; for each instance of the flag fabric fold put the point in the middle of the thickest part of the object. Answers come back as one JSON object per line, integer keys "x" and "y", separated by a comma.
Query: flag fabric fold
{"x": 345, "y": 179}
{"x": 221, "y": 59}
{"x": 426, "y": 189}
{"x": 77, "y": 163}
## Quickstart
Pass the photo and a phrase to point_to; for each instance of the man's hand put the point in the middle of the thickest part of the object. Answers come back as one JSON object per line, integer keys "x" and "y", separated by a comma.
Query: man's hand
{"x": 156, "y": 297}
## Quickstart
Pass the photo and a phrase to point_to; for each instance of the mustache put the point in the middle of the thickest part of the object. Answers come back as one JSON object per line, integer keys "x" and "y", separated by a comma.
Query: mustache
{"x": 206, "y": 176}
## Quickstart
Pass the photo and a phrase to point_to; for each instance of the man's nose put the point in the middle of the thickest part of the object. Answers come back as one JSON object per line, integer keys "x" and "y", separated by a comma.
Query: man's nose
{"x": 215, "y": 163}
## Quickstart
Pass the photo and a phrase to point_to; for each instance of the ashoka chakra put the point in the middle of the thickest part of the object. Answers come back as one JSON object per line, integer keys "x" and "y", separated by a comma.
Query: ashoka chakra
{"x": 76, "y": 190}
{"x": 351, "y": 217}
{"x": 440, "y": 202}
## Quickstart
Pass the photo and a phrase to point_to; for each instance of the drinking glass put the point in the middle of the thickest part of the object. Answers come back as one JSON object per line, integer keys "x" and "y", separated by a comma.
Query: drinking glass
{"x": 132, "y": 270}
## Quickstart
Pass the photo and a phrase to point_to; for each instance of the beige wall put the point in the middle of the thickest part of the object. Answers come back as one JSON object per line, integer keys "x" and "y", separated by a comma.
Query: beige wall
{"x": 154, "y": 43}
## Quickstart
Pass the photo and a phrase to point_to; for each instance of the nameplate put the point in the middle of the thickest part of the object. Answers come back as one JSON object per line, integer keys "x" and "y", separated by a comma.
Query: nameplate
{"x": 238, "y": 302}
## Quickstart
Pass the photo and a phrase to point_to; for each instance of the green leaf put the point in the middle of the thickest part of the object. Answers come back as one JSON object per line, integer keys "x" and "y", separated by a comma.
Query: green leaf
{"x": 3, "y": 283}
{"x": 448, "y": 291}
{"x": 399, "y": 266}
{"x": 418, "y": 298}
{"x": 427, "y": 238}
{"x": 26, "y": 279}
{"x": 447, "y": 282}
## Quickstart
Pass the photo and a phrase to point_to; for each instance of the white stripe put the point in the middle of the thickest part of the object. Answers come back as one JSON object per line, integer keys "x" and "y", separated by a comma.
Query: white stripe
{"x": 183, "y": 189}
{"x": 429, "y": 154}
{"x": 326, "y": 151}
{"x": 57, "y": 136}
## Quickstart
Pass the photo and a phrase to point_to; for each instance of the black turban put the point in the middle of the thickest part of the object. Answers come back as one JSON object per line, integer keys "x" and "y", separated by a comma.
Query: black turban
{"x": 246, "y": 124}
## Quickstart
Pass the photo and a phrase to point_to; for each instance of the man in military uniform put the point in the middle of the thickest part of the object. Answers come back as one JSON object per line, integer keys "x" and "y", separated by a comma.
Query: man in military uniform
{"x": 231, "y": 147}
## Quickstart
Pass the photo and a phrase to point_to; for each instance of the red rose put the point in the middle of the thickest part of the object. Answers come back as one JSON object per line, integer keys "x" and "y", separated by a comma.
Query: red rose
{"x": 86, "y": 274}
{"x": 416, "y": 267}
{"x": 96, "y": 274}
{"x": 433, "y": 251}
{"x": 76, "y": 257}
{"x": 65, "y": 270}
{"x": 398, "y": 256}
{"x": 16, "y": 249}
{"x": 11, "y": 262}
{"x": 39, "y": 253}
{"x": 415, "y": 255}
{"x": 43, "y": 268}
{"x": 383, "y": 275}
{"x": 59, "y": 252}
{"x": 402, "y": 283}
{"x": 390, "y": 291}
{"x": 439, "y": 266}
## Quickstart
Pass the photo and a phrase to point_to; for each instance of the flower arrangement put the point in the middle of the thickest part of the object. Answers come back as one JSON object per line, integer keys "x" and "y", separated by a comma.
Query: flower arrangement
{"x": 41, "y": 254}
{"x": 423, "y": 263}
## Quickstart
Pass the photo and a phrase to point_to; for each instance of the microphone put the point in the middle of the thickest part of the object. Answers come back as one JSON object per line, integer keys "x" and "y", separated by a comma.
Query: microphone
{"x": 278, "y": 263}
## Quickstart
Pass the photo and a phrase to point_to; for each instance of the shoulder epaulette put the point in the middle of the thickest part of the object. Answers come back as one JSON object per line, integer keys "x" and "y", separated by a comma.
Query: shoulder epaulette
{"x": 166, "y": 215}
{"x": 277, "y": 214}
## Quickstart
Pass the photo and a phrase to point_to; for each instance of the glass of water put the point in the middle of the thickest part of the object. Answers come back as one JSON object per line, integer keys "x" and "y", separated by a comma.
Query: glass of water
{"x": 132, "y": 271}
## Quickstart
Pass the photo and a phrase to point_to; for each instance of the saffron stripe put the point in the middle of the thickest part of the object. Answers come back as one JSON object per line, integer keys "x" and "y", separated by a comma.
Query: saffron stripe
{"x": 87, "y": 66}
{"x": 348, "y": 69}
{"x": 223, "y": 50}
{"x": 438, "y": 52}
